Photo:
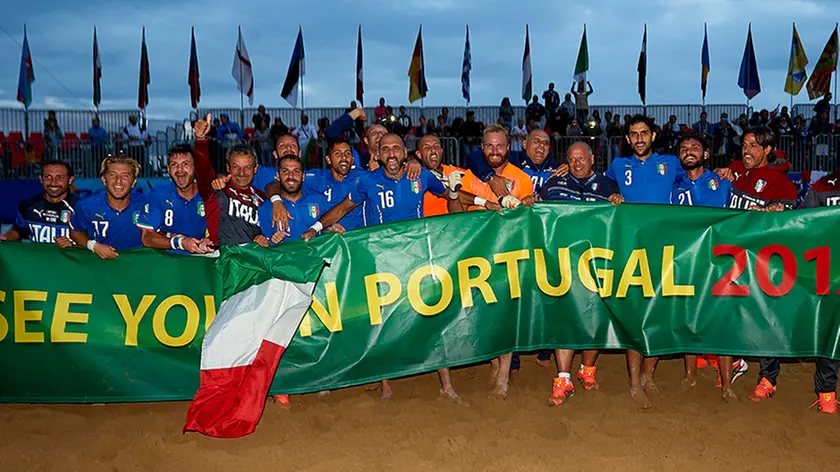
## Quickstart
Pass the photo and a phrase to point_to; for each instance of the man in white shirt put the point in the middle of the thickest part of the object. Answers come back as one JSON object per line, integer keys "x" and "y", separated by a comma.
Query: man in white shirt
{"x": 517, "y": 134}
{"x": 305, "y": 132}
{"x": 137, "y": 138}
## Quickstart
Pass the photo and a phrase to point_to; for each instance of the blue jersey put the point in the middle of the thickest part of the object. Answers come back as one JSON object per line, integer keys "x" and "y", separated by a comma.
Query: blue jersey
{"x": 41, "y": 221}
{"x": 168, "y": 212}
{"x": 390, "y": 200}
{"x": 595, "y": 188}
{"x": 708, "y": 190}
{"x": 323, "y": 182}
{"x": 105, "y": 225}
{"x": 539, "y": 173}
{"x": 305, "y": 212}
{"x": 264, "y": 176}
{"x": 648, "y": 181}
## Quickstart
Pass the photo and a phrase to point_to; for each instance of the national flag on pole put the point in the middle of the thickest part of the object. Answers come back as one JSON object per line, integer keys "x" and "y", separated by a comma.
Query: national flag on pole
{"x": 242, "y": 72}
{"x": 417, "y": 87}
{"x": 360, "y": 76}
{"x": 582, "y": 64}
{"x": 265, "y": 296}
{"x": 748, "y": 77}
{"x": 192, "y": 77}
{"x": 705, "y": 63}
{"x": 527, "y": 77}
{"x": 466, "y": 67}
{"x": 27, "y": 73}
{"x": 145, "y": 76}
{"x": 796, "y": 75}
{"x": 97, "y": 72}
{"x": 295, "y": 72}
{"x": 820, "y": 82}
{"x": 642, "y": 68}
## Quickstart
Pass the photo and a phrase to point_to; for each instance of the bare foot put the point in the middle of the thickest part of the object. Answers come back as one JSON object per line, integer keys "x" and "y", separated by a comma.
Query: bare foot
{"x": 387, "y": 393}
{"x": 323, "y": 393}
{"x": 494, "y": 370}
{"x": 499, "y": 392}
{"x": 640, "y": 397}
{"x": 650, "y": 388}
{"x": 543, "y": 364}
{"x": 729, "y": 396}
{"x": 451, "y": 394}
{"x": 688, "y": 383}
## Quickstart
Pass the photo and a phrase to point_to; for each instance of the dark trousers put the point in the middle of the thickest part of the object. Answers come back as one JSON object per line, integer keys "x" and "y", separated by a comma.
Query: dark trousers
{"x": 542, "y": 354}
{"x": 825, "y": 378}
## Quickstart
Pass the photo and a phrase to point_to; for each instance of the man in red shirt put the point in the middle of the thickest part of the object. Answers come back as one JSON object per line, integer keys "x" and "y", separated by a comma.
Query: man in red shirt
{"x": 755, "y": 183}
{"x": 758, "y": 186}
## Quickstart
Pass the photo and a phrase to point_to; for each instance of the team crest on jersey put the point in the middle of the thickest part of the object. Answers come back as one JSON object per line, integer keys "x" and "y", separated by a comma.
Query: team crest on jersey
{"x": 415, "y": 186}
{"x": 713, "y": 184}
{"x": 314, "y": 211}
{"x": 662, "y": 169}
{"x": 201, "y": 209}
{"x": 135, "y": 217}
{"x": 65, "y": 216}
{"x": 595, "y": 186}
{"x": 509, "y": 185}
{"x": 759, "y": 186}
{"x": 256, "y": 200}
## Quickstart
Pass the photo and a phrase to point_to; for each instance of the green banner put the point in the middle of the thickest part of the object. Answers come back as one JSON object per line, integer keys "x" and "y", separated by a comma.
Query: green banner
{"x": 415, "y": 296}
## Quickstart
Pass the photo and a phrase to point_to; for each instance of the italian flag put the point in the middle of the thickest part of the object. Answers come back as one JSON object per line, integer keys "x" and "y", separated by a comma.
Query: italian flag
{"x": 265, "y": 296}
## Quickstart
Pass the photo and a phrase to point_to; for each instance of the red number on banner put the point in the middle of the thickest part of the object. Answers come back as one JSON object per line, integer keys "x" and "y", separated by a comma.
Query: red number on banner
{"x": 822, "y": 255}
{"x": 726, "y": 287}
{"x": 762, "y": 270}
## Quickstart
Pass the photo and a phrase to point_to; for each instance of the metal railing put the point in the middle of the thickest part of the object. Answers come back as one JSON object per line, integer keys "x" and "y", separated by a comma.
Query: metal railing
{"x": 21, "y": 159}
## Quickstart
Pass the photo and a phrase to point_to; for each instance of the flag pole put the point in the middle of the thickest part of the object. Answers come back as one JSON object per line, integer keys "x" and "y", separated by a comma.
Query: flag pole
{"x": 836, "y": 77}
{"x": 241, "y": 84}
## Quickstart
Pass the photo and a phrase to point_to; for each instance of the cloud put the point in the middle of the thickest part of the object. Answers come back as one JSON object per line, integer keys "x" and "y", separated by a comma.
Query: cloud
{"x": 61, "y": 32}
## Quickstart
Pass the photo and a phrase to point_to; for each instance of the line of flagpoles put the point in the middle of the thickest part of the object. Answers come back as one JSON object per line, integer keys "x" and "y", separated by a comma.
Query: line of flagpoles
{"x": 817, "y": 85}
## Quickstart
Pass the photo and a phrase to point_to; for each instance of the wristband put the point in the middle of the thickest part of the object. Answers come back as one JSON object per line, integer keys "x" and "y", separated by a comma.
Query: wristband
{"x": 482, "y": 202}
{"x": 318, "y": 226}
{"x": 453, "y": 195}
{"x": 91, "y": 244}
{"x": 177, "y": 243}
{"x": 275, "y": 199}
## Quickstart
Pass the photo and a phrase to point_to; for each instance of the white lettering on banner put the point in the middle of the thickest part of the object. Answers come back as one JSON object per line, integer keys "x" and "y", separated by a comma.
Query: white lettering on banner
{"x": 246, "y": 212}
{"x": 832, "y": 201}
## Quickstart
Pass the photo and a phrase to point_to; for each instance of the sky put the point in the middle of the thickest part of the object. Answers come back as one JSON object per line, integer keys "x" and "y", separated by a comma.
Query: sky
{"x": 61, "y": 32}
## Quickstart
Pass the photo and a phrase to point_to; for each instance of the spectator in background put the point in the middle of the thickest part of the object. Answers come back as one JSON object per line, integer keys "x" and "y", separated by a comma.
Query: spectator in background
{"x": 278, "y": 129}
{"x": 445, "y": 114}
{"x": 379, "y": 111}
{"x": 98, "y": 138}
{"x": 820, "y": 124}
{"x": 306, "y": 131}
{"x": 52, "y": 137}
{"x": 582, "y": 99}
{"x": 264, "y": 143}
{"x": 471, "y": 132}
{"x": 506, "y": 113}
{"x": 615, "y": 133}
{"x": 552, "y": 101}
{"x": 517, "y": 135}
{"x": 229, "y": 132}
{"x": 823, "y": 105}
{"x": 442, "y": 127}
{"x": 574, "y": 128}
{"x": 742, "y": 124}
{"x": 569, "y": 105}
{"x": 260, "y": 117}
{"x": 215, "y": 127}
{"x": 764, "y": 117}
{"x": 783, "y": 127}
{"x": 670, "y": 135}
{"x": 432, "y": 127}
{"x": 531, "y": 125}
{"x": 724, "y": 143}
{"x": 784, "y": 133}
{"x": 404, "y": 123}
{"x": 703, "y": 127}
{"x": 535, "y": 110}
{"x": 608, "y": 117}
{"x": 323, "y": 124}
{"x": 422, "y": 128}
{"x": 138, "y": 139}
{"x": 50, "y": 116}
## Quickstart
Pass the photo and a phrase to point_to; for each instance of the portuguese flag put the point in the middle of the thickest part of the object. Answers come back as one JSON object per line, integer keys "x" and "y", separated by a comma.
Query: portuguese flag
{"x": 265, "y": 296}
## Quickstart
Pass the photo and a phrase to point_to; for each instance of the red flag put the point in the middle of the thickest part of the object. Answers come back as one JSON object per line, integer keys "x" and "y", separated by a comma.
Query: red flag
{"x": 145, "y": 80}
{"x": 195, "y": 87}
{"x": 820, "y": 82}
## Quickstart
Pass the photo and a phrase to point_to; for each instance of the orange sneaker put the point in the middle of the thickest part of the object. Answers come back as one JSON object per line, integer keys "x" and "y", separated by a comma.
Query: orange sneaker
{"x": 826, "y": 403}
{"x": 702, "y": 363}
{"x": 563, "y": 389}
{"x": 586, "y": 377}
{"x": 763, "y": 390}
{"x": 282, "y": 401}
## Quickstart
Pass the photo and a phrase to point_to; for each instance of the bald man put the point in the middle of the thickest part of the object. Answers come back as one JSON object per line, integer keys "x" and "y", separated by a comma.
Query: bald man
{"x": 581, "y": 183}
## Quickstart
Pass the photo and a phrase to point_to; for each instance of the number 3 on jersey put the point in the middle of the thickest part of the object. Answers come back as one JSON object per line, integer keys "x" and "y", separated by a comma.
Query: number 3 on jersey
{"x": 168, "y": 217}
{"x": 628, "y": 177}
{"x": 386, "y": 199}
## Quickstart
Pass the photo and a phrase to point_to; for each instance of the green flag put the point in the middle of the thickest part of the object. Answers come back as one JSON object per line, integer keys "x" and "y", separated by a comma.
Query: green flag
{"x": 582, "y": 65}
